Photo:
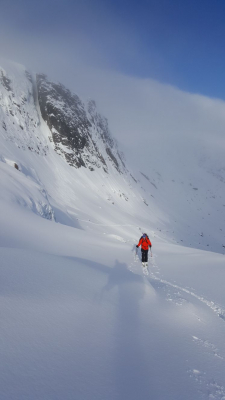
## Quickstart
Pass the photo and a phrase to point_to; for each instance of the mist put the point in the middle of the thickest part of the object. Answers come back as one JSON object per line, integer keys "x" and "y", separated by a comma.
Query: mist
{"x": 80, "y": 48}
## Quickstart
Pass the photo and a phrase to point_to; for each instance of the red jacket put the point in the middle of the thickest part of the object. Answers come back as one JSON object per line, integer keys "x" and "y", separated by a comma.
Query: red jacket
{"x": 144, "y": 242}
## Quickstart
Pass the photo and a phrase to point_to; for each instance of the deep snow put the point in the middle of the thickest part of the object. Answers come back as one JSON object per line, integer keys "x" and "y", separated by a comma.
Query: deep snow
{"x": 79, "y": 320}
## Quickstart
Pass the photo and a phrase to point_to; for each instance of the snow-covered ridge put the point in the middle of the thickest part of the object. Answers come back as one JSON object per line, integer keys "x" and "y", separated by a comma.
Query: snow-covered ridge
{"x": 79, "y": 320}
{"x": 19, "y": 117}
{"x": 44, "y": 131}
{"x": 79, "y": 133}
{"x": 64, "y": 145}
{"x": 24, "y": 190}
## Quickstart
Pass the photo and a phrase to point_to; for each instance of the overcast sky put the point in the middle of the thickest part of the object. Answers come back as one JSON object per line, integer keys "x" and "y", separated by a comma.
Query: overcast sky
{"x": 175, "y": 42}
{"x": 155, "y": 67}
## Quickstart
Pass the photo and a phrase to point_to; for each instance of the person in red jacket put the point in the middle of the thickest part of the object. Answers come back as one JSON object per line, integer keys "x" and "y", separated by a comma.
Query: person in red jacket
{"x": 145, "y": 243}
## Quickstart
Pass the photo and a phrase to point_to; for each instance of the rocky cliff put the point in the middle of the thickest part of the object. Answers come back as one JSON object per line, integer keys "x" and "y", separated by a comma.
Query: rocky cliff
{"x": 79, "y": 133}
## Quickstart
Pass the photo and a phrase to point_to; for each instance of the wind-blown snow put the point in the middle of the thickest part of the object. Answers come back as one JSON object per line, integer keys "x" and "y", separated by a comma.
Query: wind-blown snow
{"x": 79, "y": 320}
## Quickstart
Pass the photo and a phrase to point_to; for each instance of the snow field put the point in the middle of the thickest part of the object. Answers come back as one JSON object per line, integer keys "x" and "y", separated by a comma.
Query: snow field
{"x": 83, "y": 322}
{"x": 79, "y": 320}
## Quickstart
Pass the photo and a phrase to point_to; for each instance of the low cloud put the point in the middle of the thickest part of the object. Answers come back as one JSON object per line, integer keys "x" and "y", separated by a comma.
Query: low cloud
{"x": 157, "y": 121}
{"x": 153, "y": 121}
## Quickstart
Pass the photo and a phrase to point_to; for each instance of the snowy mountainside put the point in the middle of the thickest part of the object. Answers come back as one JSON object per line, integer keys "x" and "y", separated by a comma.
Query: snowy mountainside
{"x": 79, "y": 318}
{"x": 193, "y": 201}
{"x": 65, "y": 146}
{"x": 77, "y": 131}
{"x": 20, "y": 121}
{"x": 53, "y": 131}
{"x": 16, "y": 189}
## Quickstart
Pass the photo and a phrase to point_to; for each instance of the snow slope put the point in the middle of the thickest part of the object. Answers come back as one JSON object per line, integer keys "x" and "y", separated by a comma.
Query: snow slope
{"x": 79, "y": 318}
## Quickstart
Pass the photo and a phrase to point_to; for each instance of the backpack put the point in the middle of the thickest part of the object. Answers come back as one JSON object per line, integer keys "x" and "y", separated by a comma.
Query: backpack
{"x": 142, "y": 237}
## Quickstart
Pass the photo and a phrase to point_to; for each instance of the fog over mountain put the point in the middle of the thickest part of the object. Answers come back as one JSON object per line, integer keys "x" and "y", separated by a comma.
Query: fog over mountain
{"x": 78, "y": 189}
{"x": 181, "y": 173}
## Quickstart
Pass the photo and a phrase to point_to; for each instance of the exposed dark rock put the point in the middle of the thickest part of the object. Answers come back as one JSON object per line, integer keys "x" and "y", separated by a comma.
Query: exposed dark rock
{"x": 66, "y": 118}
{"x": 153, "y": 184}
{"x": 5, "y": 82}
{"x": 78, "y": 132}
{"x": 28, "y": 75}
{"x": 121, "y": 157}
{"x": 135, "y": 180}
{"x": 145, "y": 176}
{"x": 112, "y": 157}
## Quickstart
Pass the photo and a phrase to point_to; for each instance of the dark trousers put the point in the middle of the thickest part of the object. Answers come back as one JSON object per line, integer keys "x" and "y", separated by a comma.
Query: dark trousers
{"x": 144, "y": 255}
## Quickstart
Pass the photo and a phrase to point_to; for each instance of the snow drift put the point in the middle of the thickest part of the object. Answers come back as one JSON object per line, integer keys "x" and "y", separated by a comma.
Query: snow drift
{"x": 79, "y": 319}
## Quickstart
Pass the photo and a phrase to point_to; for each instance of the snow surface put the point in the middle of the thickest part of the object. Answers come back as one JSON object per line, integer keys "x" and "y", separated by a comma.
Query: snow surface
{"x": 79, "y": 320}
